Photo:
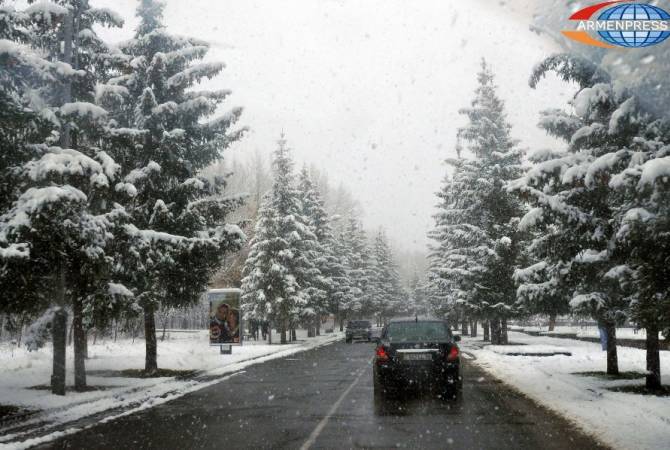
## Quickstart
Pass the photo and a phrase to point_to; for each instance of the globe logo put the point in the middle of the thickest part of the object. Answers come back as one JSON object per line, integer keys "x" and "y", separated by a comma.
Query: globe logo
{"x": 635, "y": 38}
{"x": 620, "y": 24}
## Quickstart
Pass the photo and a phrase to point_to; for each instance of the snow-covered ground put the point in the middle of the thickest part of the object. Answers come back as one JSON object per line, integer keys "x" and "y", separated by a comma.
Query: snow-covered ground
{"x": 21, "y": 370}
{"x": 586, "y": 331}
{"x": 621, "y": 420}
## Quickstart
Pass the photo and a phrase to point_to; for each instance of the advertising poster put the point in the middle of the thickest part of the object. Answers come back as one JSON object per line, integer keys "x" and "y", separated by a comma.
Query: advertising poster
{"x": 225, "y": 317}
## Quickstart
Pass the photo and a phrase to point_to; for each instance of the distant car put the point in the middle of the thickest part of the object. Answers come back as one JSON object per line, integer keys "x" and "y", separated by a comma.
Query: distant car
{"x": 416, "y": 353}
{"x": 358, "y": 329}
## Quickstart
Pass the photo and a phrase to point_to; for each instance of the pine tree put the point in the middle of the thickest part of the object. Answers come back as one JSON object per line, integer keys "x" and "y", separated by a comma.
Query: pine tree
{"x": 573, "y": 208}
{"x": 358, "y": 271}
{"x": 163, "y": 137}
{"x": 276, "y": 284}
{"x": 476, "y": 246}
{"x": 387, "y": 295}
{"x": 75, "y": 177}
{"x": 330, "y": 284}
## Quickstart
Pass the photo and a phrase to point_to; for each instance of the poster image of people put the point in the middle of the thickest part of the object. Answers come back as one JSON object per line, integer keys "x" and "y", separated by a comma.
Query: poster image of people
{"x": 224, "y": 316}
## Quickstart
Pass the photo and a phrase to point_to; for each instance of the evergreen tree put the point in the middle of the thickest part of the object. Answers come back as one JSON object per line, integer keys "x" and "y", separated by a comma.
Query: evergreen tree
{"x": 573, "y": 208}
{"x": 387, "y": 295}
{"x": 277, "y": 273}
{"x": 328, "y": 286}
{"x": 476, "y": 246}
{"x": 72, "y": 243}
{"x": 358, "y": 271}
{"x": 163, "y": 136}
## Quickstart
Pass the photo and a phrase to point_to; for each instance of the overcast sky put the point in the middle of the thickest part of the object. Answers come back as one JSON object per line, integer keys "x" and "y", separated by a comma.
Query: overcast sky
{"x": 368, "y": 90}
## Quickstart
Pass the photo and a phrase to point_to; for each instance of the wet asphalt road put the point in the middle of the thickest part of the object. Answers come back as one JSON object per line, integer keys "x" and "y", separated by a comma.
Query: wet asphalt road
{"x": 323, "y": 398}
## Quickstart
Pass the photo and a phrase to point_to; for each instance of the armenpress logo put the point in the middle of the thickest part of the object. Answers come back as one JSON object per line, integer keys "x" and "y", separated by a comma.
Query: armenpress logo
{"x": 620, "y": 24}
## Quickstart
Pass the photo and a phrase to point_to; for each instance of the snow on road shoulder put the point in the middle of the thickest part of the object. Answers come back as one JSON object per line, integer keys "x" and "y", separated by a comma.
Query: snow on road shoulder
{"x": 621, "y": 420}
{"x": 119, "y": 396}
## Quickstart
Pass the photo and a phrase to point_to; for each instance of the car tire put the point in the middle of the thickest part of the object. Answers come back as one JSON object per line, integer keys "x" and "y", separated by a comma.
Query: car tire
{"x": 453, "y": 390}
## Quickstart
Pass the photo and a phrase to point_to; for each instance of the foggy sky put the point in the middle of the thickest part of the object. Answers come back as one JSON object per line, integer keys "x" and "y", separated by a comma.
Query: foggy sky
{"x": 368, "y": 90}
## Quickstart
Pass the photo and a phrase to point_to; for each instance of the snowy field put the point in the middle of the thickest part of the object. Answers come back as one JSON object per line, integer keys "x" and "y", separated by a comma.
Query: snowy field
{"x": 22, "y": 370}
{"x": 587, "y": 331}
{"x": 621, "y": 420}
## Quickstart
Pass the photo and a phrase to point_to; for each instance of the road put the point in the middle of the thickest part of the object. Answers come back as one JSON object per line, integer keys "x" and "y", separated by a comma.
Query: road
{"x": 323, "y": 398}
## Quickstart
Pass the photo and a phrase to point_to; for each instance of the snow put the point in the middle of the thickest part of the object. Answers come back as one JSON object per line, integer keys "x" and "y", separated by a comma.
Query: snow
{"x": 103, "y": 90}
{"x": 622, "y": 116}
{"x": 531, "y": 219}
{"x": 21, "y": 369}
{"x": 119, "y": 289}
{"x": 83, "y": 109}
{"x": 35, "y": 200}
{"x": 521, "y": 350}
{"x": 45, "y": 10}
{"x": 590, "y": 96}
{"x": 195, "y": 72}
{"x": 596, "y": 299}
{"x": 654, "y": 169}
{"x": 15, "y": 251}
{"x": 62, "y": 162}
{"x": 589, "y": 331}
{"x": 620, "y": 420}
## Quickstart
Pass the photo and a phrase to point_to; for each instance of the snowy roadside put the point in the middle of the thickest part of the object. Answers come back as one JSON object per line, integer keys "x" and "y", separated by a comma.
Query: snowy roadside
{"x": 590, "y": 331}
{"x": 120, "y": 396}
{"x": 621, "y": 420}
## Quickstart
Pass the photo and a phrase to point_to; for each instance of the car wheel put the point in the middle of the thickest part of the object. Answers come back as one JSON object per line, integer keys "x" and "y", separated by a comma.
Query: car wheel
{"x": 452, "y": 390}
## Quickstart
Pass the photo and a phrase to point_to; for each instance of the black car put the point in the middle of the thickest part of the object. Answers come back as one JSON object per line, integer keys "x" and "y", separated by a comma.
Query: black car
{"x": 358, "y": 329}
{"x": 417, "y": 353}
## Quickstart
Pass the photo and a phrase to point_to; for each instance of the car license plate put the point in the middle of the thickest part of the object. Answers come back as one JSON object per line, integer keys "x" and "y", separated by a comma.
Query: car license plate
{"x": 417, "y": 356}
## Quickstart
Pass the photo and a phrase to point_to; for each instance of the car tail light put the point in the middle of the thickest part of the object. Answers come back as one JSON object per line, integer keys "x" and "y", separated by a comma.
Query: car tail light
{"x": 453, "y": 353}
{"x": 381, "y": 354}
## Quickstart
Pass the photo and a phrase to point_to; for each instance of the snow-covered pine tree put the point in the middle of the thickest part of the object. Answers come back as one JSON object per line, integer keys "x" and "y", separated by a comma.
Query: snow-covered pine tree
{"x": 387, "y": 295}
{"x": 344, "y": 302}
{"x": 643, "y": 232}
{"x": 278, "y": 270}
{"x": 460, "y": 248}
{"x": 328, "y": 286}
{"x": 163, "y": 136}
{"x": 359, "y": 271}
{"x": 74, "y": 177}
{"x": 573, "y": 208}
{"x": 23, "y": 123}
{"x": 496, "y": 161}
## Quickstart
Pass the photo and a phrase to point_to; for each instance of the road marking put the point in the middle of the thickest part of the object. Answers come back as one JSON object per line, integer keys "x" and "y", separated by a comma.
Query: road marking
{"x": 322, "y": 424}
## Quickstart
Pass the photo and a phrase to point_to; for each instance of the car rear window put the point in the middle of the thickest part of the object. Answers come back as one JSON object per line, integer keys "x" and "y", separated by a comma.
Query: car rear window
{"x": 418, "y": 332}
{"x": 359, "y": 324}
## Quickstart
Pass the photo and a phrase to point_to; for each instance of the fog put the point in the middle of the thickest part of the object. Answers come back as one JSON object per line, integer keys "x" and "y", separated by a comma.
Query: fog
{"x": 367, "y": 91}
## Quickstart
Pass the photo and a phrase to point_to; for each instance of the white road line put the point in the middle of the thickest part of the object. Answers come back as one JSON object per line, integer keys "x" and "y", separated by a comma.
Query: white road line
{"x": 322, "y": 424}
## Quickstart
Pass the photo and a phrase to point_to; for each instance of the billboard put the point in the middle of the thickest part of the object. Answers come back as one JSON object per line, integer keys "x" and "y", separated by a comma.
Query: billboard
{"x": 225, "y": 317}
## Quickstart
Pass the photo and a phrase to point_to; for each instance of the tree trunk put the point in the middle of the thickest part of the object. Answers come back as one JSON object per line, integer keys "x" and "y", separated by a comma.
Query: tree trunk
{"x": 552, "y": 321}
{"x": 151, "y": 355}
{"x": 282, "y": 337}
{"x": 653, "y": 358}
{"x": 503, "y": 331}
{"x": 79, "y": 345}
{"x": 495, "y": 332}
{"x": 318, "y": 325}
{"x": 293, "y": 335}
{"x": 473, "y": 328}
{"x": 59, "y": 330}
{"x": 612, "y": 360}
{"x": 464, "y": 327}
{"x": 485, "y": 326}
